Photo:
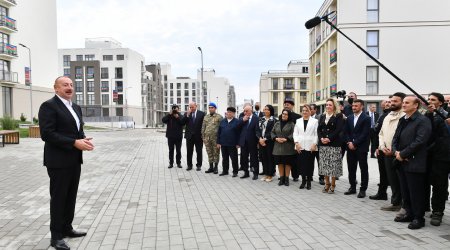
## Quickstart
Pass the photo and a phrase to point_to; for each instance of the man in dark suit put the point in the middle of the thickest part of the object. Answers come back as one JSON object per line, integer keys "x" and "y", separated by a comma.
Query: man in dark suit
{"x": 356, "y": 129}
{"x": 258, "y": 112}
{"x": 174, "y": 134}
{"x": 374, "y": 116}
{"x": 410, "y": 146}
{"x": 248, "y": 143}
{"x": 61, "y": 128}
{"x": 193, "y": 134}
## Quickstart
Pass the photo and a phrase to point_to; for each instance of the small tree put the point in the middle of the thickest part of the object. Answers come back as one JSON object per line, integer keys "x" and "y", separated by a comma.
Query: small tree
{"x": 22, "y": 118}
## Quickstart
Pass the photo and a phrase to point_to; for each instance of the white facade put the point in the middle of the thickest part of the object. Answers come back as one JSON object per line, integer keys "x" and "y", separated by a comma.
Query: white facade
{"x": 411, "y": 42}
{"x": 181, "y": 91}
{"x": 217, "y": 89}
{"x": 118, "y": 69}
{"x": 41, "y": 37}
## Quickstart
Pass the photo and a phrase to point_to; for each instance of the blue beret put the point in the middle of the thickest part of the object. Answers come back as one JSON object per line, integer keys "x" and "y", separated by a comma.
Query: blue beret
{"x": 211, "y": 104}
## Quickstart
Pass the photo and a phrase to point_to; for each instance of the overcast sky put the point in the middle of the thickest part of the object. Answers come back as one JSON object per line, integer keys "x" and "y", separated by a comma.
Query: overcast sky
{"x": 240, "y": 38}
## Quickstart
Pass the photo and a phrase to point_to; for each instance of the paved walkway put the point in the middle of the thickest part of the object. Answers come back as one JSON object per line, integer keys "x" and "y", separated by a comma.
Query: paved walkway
{"x": 129, "y": 199}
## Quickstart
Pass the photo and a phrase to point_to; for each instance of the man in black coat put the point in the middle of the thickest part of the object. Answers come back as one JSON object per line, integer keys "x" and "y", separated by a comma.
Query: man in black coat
{"x": 374, "y": 116}
{"x": 61, "y": 127}
{"x": 439, "y": 157}
{"x": 248, "y": 143}
{"x": 356, "y": 131}
{"x": 410, "y": 146}
{"x": 193, "y": 119}
{"x": 174, "y": 134}
{"x": 348, "y": 109}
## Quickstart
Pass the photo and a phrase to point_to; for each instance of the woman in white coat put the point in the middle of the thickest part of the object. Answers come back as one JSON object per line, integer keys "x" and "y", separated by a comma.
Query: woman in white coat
{"x": 305, "y": 138}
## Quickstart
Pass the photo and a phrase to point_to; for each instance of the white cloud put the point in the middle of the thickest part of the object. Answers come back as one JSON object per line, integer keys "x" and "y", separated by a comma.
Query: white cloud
{"x": 240, "y": 38}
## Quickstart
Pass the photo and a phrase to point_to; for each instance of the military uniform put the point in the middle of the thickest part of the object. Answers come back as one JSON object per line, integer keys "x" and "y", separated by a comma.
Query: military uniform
{"x": 209, "y": 134}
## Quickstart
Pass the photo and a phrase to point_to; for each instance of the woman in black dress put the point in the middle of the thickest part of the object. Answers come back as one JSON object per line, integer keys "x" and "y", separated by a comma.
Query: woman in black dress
{"x": 263, "y": 132}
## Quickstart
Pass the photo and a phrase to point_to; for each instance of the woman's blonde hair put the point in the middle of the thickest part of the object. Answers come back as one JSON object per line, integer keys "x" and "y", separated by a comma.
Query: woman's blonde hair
{"x": 335, "y": 104}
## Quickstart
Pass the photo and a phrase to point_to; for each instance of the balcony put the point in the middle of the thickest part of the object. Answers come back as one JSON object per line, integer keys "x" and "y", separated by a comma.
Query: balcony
{"x": 8, "y": 51}
{"x": 7, "y": 24}
{"x": 8, "y": 3}
{"x": 8, "y": 77}
{"x": 333, "y": 56}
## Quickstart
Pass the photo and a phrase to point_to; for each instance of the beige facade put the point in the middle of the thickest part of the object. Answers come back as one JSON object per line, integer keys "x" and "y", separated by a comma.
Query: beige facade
{"x": 401, "y": 40}
{"x": 276, "y": 85}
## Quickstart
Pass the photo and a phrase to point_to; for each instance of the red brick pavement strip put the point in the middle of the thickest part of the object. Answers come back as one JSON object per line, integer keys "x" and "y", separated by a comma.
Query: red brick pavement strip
{"x": 129, "y": 199}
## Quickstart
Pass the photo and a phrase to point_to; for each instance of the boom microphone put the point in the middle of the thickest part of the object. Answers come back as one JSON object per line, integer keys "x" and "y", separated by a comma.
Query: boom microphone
{"x": 311, "y": 23}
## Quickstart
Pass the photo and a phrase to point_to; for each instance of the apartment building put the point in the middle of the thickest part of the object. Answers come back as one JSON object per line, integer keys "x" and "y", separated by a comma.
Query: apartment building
{"x": 109, "y": 80}
{"x": 153, "y": 90}
{"x": 277, "y": 85}
{"x": 410, "y": 42}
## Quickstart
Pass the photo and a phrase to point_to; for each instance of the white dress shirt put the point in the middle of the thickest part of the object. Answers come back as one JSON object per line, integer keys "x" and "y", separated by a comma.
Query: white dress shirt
{"x": 68, "y": 105}
{"x": 355, "y": 119}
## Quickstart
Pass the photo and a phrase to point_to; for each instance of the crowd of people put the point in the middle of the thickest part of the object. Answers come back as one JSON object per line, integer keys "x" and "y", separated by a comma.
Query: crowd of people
{"x": 410, "y": 141}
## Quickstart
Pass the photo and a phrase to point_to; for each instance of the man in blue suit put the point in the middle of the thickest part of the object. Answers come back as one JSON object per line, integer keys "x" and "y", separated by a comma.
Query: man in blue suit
{"x": 227, "y": 141}
{"x": 357, "y": 129}
{"x": 248, "y": 143}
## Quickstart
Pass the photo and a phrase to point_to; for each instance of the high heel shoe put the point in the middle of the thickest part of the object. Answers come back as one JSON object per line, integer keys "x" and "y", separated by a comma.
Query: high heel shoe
{"x": 331, "y": 191}
{"x": 326, "y": 188}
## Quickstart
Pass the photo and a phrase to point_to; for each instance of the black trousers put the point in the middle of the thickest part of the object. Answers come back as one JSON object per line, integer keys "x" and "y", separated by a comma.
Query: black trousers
{"x": 198, "y": 143}
{"x": 63, "y": 195}
{"x": 439, "y": 180}
{"x": 353, "y": 158}
{"x": 306, "y": 162}
{"x": 252, "y": 151}
{"x": 227, "y": 153}
{"x": 413, "y": 192}
{"x": 174, "y": 143}
{"x": 373, "y": 138}
{"x": 394, "y": 182}
{"x": 295, "y": 169}
{"x": 267, "y": 158}
{"x": 384, "y": 181}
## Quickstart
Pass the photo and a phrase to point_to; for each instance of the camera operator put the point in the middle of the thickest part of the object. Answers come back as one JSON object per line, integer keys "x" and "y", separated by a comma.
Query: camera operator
{"x": 348, "y": 108}
{"x": 174, "y": 134}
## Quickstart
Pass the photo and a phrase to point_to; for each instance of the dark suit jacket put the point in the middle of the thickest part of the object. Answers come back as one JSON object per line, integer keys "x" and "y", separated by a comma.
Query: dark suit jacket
{"x": 228, "y": 133}
{"x": 194, "y": 129}
{"x": 174, "y": 128}
{"x": 59, "y": 131}
{"x": 333, "y": 130}
{"x": 439, "y": 143}
{"x": 248, "y": 133}
{"x": 359, "y": 134}
{"x": 411, "y": 138}
{"x": 376, "y": 117}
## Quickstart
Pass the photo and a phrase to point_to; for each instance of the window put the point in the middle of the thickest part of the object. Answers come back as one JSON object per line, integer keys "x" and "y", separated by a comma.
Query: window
{"x": 105, "y": 111}
{"x": 193, "y": 85}
{"x": 6, "y": 93}
{"x": 372, "y": 42}
{"x": 275, "y": 83}
{"x": 193, "y": 93}
{"x": 78, "y": 86}
{"x": 165, "y": 92}
{"x": 165, "y": 85}
{"x": 186, "y": 100}
{"x": 105, "y": 86}
{"x": 287, "y": 95}
{"x": 90, "y": 87}
{"x": 275, "y": 97}
{"x": 304, "y": 69}
{"x": 178, "y": 100}
{"x": 104, "y": 74}
{"x": 171, "y": 93}
{"x": 79, "y": 99}
{"x": 178, "y": 85}
{"x": 186, "y": 93}
{"x": 303, "y": 83}
{"x": 178, "y": 93}
{"x": 78, "y": 73}
{"x": 66, "y": 72}
{"x": 120, "y": 57}
{"x": 105, "y": 99}
{"x": 89, "y": 72}
{"x": 107, "y": 57}
{"x": 171, "y": 85}
{"x": 186, "y": 85}
{"x": 372, "y": 80}
{"x": 373, "y": 11}
{"x": 90, "y": 99}
{"x": 89, "y": 57}
{"x": 80, "y": 58}
{"x": 119, "y": 86}
{"x": 120, "y": 99}
{"x": 119, "y": 111}
{"x": 66, "y": 60}
{"x": 303, "y": 98}
{"x": 119, "y": 73}
{"x": 288, "y": 83}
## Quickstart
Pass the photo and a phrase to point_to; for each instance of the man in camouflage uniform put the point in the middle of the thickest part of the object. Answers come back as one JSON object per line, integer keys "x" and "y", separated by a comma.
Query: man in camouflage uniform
{"x": 210, "y": 127}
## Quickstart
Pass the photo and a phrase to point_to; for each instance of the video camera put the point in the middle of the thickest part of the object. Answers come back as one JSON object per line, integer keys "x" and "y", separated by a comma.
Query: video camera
{"x": 341, "y": 94}
{"x": 174, "y": 109}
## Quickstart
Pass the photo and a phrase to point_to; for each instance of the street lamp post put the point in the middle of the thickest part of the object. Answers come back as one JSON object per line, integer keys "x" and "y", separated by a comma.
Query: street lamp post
{"x": 201, "y": 53}
{"x": 31, "y": 85}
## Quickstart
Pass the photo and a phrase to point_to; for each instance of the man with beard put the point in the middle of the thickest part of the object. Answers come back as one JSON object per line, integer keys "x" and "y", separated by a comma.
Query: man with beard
{"x": 348, "y": 108}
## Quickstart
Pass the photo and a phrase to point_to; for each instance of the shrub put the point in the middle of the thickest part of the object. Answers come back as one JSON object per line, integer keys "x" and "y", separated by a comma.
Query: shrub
{"x": 35, "y": 120}
{"x": 22, "y": 117}
{"x": 9, "y": 123}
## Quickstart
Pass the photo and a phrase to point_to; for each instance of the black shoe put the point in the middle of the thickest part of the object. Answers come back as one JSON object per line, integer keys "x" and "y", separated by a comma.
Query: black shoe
{"x": 189, "y": 168}
{"x": 378, "y": 197}
{"x": 234, "y": 175}
{"x": 199, "y": 168}
{"x": 302, "y": 186}
{"x": 246, "y": 175}
{"x": 436, "y": 218}
{"x": 59, "y": 244}
{"x": 286, "y": 181}
{"x": 337, "y": 178}
{"x": 255, "y": 177}
{"x": 321, "y": 181}
{"x": 281, "y": 182}
{"x": 403, "y": 218}
{"x": 179, "y": 166}
{"x": 350, "y": 191}
{"x": 373, "y": 156}
{"x": 223, "y": 173}
{"x": 308, "y": 185}
{"x": 295, "y": 179}
{"x": 210, "y": 170}
{"x": 215, "y": 169}
{"x": 361, "y": 194}
{"x": 74, "y": 234}
{"x": 416, "y": 224}
{"x": 170, "y": 166}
